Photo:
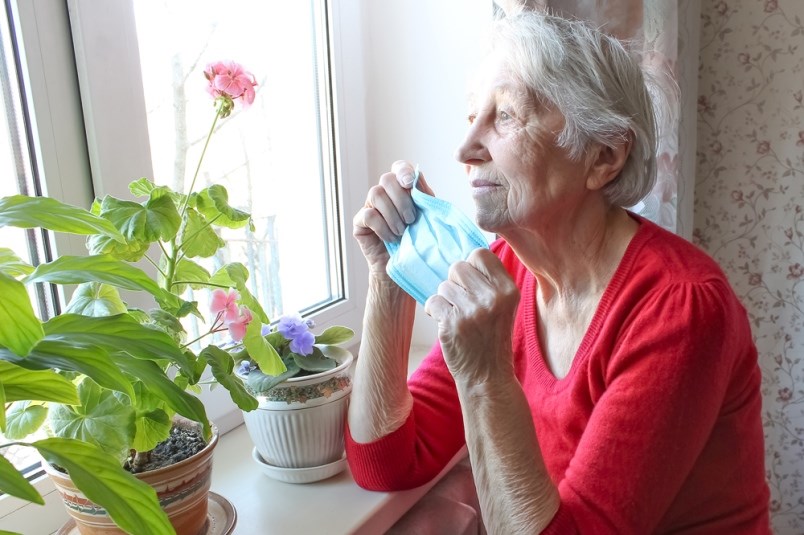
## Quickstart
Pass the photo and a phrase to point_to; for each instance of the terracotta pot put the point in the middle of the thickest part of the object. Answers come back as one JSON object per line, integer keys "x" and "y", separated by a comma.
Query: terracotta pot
{"x": 182, "y": 489}
{"x": 300, "y": 422}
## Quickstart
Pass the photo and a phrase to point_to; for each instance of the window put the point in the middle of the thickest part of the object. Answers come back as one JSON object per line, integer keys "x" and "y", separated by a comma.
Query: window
{"x": 42, "y": 151}
{"x": 147, "y": 114}
{"x": 95, "y": 45}
{"x": 17, "y": 176}
{"x": 275, "y": 159}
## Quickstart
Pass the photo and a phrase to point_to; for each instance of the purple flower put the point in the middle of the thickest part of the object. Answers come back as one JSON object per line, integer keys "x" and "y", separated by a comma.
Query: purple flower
{"x": 297, "y": 330}
{"x": 303, "y": 344}
{"x": 244, "y": 368}
{"x": 291, "y": 326}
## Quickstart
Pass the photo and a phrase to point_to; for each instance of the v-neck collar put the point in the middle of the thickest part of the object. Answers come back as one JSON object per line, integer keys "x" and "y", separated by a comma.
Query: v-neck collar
{"x": 533, "y": 344}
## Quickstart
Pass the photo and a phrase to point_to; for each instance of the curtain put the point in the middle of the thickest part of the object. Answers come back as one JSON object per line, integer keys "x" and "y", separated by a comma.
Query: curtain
{"x": 749, "y": 208}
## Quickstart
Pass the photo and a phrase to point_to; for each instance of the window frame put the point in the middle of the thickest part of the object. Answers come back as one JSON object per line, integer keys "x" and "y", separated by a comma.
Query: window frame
{"x": 57, "y": 41}
{"x": 59, "y": 157}
{"x": 105, "y": 38}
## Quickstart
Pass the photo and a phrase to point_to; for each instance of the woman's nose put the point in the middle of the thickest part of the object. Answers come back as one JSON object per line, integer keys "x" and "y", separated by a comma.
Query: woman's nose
{"x": 472, "y": 150}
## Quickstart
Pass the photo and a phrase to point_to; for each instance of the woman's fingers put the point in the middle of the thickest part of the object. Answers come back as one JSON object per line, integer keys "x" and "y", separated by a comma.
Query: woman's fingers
{"x": 401, "y": 212}
{"x": 405, "y": 173}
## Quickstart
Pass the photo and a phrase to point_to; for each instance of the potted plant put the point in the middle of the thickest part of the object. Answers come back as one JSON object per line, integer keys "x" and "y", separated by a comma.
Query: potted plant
{"x": 107, "y": 379}
{"x": 298, "y": 427}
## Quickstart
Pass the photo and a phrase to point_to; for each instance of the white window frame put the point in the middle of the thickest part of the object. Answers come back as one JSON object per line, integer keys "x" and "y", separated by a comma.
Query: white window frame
{"x": 105, "y": 40}
{"x": 118, "y": 150}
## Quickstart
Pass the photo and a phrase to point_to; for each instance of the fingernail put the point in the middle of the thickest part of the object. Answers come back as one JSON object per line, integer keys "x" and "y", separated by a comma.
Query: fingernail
{"x": 410, "y": 216}
{"x": 407, "y": 179}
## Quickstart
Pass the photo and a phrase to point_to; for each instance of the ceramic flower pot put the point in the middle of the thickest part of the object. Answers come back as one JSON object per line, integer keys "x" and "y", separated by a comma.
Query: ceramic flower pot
{"x": 300, "y": 422}
{"x": 182, "y": 489}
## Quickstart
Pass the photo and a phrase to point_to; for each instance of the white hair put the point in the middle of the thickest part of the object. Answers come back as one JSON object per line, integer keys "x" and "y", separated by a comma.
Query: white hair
{"x": 596, "y": 84}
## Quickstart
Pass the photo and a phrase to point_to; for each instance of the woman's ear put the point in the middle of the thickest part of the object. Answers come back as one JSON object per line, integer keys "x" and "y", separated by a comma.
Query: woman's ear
{"x": 608, "y": 161}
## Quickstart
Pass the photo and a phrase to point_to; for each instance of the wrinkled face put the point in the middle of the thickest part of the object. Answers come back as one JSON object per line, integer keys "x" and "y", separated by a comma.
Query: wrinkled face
{"x": 520, "y": 178}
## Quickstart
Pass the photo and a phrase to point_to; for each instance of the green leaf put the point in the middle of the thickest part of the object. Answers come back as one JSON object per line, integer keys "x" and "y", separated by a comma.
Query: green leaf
{"x": 101, "y": 419}
{"x": 99, "y": 268}
{"x": 335, "y": 335}
{"x": 155, "y": 219}
{"x": 191, "y": 273}
{"x": 146, "y": 400}
{"x": 198, "y": 237}
{"x": 21, "y": 384}
{"x": 167, "y": 323}
{"x": 316, "y": 362}
{"x": 260, "y": 382}
{"x": 132, "y": 504}
{"x": 222, "y": 366}
{"x": 20, "y": 329}
{"x": 187, "y": 307}
{"x": 69, "y": 355}
{"x": 213, "y": 202}
{"x": 96, "y": 299}
{"x": 261, "y": 352}
{"x": 117, "y": 334}
{"x": 160, "y": 385}
{"x": 152, "y": 427}
{"x": 23, "y": 418}
{"x": 130, "y": 251}
{"x": 15, "y": 484}
{"x": 12, "y": 265}
{"x": 30, "y": 212}
{"x": 142, "y": 187}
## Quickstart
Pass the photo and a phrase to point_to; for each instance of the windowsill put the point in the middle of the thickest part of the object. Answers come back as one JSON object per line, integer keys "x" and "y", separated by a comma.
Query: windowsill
{"x": 334, "y": 506}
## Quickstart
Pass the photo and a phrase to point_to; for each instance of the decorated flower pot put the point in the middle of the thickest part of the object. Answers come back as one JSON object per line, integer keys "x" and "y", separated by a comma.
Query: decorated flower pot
{"x": 299, "y": 423}
{"x": 182, "y": 489}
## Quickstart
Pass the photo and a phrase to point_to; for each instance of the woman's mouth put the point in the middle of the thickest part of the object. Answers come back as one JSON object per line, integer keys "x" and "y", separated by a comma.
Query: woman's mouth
{"x": 481, "y": 186}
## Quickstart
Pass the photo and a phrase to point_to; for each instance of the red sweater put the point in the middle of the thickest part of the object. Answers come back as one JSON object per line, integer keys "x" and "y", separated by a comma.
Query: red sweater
{"x": 655, "y": 429}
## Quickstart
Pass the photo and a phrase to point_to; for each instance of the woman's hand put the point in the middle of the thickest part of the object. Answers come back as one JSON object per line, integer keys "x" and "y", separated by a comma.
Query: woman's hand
{"x": 475, "y": 309}
{"x": 387, "y": 212}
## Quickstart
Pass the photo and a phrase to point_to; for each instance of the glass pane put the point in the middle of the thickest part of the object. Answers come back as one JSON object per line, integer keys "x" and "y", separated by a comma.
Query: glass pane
{"x": 274, "y": 158}
{"x": 17, "y": 177}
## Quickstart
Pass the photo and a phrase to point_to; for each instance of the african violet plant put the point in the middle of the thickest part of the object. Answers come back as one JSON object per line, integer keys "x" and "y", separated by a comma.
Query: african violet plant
{"x": 101, "y": 361}
{"x": 290, "y": 339}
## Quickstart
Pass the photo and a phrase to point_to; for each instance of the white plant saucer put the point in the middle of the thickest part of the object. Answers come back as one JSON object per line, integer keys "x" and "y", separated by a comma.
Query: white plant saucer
{"x": 299, "y": 475}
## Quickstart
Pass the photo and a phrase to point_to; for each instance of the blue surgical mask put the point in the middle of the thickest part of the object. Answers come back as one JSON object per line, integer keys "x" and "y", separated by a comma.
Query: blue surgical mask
{"x": 440, "y": 236}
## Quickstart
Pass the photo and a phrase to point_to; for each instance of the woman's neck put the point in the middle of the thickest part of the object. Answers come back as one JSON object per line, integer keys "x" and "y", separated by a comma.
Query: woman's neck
{"x": 578, "y": 256}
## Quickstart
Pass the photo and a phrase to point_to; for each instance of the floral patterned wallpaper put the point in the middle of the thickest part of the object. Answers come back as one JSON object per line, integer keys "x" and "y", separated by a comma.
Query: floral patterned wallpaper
{"x": 749, "y": 207}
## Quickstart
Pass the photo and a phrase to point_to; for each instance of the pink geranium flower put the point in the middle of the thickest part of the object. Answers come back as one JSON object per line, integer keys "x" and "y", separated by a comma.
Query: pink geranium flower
{"x": 230, "y": 80}
{"x": 237, "y": 328}
{"x": 224, "y": 303}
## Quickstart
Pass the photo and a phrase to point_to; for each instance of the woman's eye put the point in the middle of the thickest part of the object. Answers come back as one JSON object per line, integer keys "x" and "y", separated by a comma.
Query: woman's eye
{"x": 504, "y": 116}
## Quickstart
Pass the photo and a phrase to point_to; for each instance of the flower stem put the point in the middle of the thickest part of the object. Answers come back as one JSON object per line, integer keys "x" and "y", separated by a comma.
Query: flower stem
{"x": 174, "y": 260}
{"x": 201, "y": 159}
{"x": 211, "y": 331}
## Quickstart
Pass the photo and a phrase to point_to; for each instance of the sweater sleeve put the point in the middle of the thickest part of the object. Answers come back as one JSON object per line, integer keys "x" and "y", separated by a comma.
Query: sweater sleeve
{"x": 417, "y": 451}
{"x": 664, "y": 388}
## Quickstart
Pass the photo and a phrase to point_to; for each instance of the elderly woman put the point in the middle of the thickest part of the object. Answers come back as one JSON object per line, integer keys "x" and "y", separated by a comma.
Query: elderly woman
{"x": 600, "y": 370}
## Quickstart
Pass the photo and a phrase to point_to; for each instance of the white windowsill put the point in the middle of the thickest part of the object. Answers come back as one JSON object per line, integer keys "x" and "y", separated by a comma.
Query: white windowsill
{"x": 334, "y": 506}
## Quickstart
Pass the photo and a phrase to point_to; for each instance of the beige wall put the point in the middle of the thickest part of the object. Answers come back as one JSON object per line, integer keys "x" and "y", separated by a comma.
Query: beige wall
{"x": 749, "y": 207}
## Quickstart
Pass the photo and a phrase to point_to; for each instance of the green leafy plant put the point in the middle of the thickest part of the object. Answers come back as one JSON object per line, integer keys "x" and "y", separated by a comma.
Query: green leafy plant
{"x": 104, "y": 378}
